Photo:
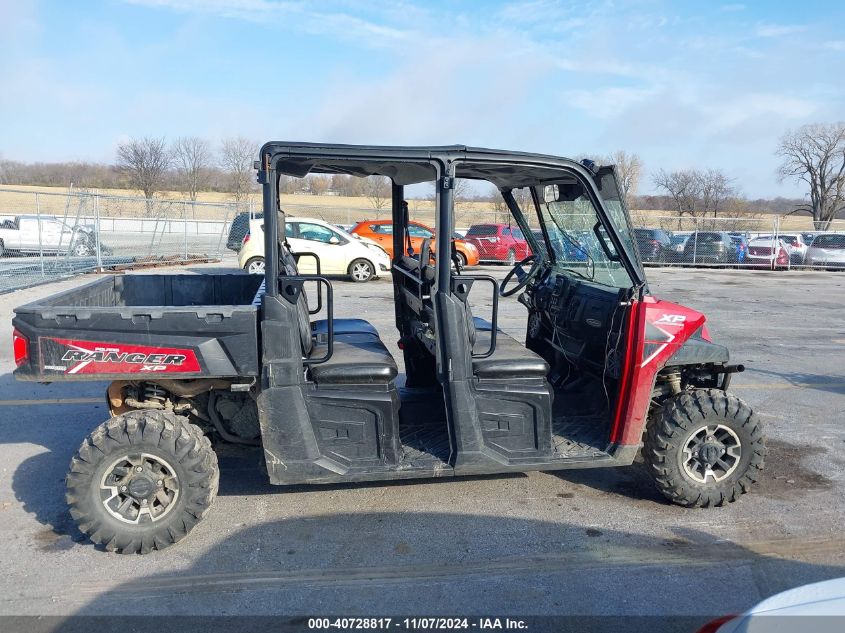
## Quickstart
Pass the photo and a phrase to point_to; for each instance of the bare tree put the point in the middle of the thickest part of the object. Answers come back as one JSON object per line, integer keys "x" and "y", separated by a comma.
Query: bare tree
{"x": 378, "y": 192}
{"x": 145, "y": 161}
{"x": 683, "y": 189}
{"x": 815, "y": 154}
{"x": 629, "y": 168}
{"x": 715, "y": 189}
{"x": 318, "y": 185}
{"x": 192, "y": 156}
{"x": 237, "y": 156}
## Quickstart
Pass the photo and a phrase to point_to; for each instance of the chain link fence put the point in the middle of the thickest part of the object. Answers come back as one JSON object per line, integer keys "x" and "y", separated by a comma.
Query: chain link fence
{"x": 753, "y": 241}
{"x": 47, "y": 236}
{"x": 767, "y": 242}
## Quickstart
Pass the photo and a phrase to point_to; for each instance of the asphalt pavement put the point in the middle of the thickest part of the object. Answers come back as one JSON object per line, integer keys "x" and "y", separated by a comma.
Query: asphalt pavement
{"x": 593, "y": 542}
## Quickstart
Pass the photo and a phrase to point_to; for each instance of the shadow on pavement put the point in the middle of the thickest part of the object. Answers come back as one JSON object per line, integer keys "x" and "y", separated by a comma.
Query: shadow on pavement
{"x": 821, "y": 382}
{"x": 374, "y": 563}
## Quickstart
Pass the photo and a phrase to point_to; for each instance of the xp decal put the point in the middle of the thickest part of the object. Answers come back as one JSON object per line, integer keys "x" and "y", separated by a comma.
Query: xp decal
{"x": 68, "y": 356}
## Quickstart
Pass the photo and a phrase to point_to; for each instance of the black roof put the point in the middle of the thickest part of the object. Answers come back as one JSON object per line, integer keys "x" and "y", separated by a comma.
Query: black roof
{"x": 413, "y": 164}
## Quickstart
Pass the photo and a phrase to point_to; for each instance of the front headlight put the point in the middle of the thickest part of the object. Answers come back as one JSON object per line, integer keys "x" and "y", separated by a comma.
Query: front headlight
{"x": 378, "y": 249}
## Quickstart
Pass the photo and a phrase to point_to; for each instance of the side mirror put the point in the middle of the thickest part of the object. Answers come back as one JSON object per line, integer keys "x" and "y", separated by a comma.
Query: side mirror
{"x": 334, "y": 239}
{"x": 551, "y": 193}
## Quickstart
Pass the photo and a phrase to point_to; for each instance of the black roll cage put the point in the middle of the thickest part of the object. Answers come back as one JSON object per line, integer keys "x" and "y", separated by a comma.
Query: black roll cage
{"x": 410, "y": 165}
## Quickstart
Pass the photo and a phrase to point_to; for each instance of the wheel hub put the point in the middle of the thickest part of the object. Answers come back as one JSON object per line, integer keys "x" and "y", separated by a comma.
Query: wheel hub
{"x": 139, "y": 488}
{"x": 711, "y": 453}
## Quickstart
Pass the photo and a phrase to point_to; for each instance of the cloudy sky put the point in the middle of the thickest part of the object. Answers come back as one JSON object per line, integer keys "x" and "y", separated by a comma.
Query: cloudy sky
{"x": 683, "y": 84}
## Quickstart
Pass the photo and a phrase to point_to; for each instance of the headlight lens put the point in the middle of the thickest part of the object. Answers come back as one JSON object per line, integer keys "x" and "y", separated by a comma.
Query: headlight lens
{"x": 377, "y": 248}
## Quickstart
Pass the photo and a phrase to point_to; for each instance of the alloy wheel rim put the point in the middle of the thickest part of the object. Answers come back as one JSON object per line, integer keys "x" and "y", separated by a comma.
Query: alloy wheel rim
{"x": 256, "y": 268}
{"x": 139, "y": 488}
{"x": 712, "y": 453}
{"x": 361, "y": 271}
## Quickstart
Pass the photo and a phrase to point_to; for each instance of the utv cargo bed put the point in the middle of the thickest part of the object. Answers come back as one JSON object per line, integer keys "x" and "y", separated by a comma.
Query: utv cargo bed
{"x": 125, "y": 326}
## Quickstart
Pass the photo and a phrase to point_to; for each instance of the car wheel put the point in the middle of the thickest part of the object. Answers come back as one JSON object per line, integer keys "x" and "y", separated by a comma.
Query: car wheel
{"x": 462, "y": 259}
{"x": 704, "y": 448}
{"x": 142, "y": 481}
{"x": 361, "y": 270}
{"x": 511, "y": 259}
{"x": 81, "y": 249}
{"x": 255, "y": 266}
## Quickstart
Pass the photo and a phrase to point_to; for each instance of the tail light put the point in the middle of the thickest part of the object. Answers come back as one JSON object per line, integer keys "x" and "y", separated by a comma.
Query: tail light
{"x": 782, "y": 256}
{"x": 245, "y": 240}
{"x": 21, "y": 348}
{"x": 796, "y": 244}
{"x": 714, "y": 625}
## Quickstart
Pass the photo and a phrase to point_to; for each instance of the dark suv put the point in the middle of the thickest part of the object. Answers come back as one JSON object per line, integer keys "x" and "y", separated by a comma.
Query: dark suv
{"x": 654, "y": 245}
{"x": 710, "y": 247}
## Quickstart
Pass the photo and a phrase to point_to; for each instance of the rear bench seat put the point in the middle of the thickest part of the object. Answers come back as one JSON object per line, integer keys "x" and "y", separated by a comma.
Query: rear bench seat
{"x": 357, "y": 359}
{"x": 358, "y": 355}
{"x": 510, "y": 359}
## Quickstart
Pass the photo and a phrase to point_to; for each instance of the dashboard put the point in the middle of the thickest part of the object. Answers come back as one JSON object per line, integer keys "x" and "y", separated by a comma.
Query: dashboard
{"x": 579, "y": 318}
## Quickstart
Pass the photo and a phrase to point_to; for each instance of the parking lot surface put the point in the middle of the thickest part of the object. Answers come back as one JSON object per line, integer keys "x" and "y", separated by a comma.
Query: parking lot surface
{"x": 598, "y": 541}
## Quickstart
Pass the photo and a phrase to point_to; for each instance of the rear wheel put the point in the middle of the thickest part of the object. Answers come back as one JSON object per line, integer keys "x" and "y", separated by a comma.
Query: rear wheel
{"x": 255, "y": 266}
{"x": 142, "y": 481}
{"x": 704, "y": 448}
{"x": 361, "y": 270}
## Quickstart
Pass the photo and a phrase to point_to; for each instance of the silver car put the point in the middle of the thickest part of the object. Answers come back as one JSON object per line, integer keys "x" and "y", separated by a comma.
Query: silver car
{"x": 826, "y": 251}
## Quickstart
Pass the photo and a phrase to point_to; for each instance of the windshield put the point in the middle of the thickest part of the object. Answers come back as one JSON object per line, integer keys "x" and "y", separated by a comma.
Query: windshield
{"x": 482, "y": 229}
{"x": 570, "y": 218}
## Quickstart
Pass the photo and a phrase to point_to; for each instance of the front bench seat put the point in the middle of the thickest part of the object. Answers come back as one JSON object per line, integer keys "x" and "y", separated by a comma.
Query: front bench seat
{"x": 510, "y": 358}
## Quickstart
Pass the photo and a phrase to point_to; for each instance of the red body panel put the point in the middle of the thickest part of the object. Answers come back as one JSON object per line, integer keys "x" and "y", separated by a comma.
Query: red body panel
{"x": 66, "y": 356}
{"x": 656, "y": 330}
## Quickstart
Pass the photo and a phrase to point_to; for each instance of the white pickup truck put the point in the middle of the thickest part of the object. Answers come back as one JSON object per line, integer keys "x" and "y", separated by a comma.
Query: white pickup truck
{"x": 21, "y": 235}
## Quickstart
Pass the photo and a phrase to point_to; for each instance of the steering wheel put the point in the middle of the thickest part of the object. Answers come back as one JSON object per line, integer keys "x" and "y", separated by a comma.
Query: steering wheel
{"x": 522, "y": 276}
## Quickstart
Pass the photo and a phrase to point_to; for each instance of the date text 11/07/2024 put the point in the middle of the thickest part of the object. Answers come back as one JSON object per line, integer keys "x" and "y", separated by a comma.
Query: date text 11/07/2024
{"x": 417, "y": 624}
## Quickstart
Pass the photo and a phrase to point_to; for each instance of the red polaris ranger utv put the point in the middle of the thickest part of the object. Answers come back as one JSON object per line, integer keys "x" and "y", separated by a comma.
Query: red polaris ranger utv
{"x": 198, "y": 360}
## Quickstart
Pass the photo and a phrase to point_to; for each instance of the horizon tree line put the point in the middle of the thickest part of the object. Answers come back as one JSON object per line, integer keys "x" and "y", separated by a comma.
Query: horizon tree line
{"x": 813, "y": 154}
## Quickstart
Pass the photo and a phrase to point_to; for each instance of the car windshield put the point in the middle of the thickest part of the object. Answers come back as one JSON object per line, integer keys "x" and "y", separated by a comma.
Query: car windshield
{"x": 570, "y": 220}
{"x": 829, "y": 241}
{"x": 482, "y": 229}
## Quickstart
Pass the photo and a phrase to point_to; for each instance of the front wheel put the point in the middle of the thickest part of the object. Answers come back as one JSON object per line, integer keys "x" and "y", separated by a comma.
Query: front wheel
{"x": 361, "y": 270}
{"x": 255, "y": 266}
{"x": 142, "y": 481}
{"x": 704, "y": 448}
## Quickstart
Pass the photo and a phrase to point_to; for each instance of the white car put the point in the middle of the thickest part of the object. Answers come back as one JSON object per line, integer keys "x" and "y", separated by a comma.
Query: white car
{"x": 797, "y": 245}
{"x": 340, "y": 253}
{"x": 818, "y": 607}
{"x": 767, "y": 251}
{"x": 826, "y": 251}
{"x": 31, "y": 234}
